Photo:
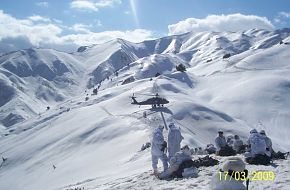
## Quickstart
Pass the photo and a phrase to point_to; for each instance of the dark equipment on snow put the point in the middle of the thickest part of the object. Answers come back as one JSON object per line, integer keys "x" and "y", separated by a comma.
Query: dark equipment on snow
{"x": 157, "y": 74}
{"x": 201, "y": 162}
{"x": 95, "y": 91}
{"x": 4, "y": 159}
{"x": 144, "y": 114}
{"x": 206, "y": 161}
{"x": 145, "y": 146}
{"x": 227, "y": 151}
{"x": 259, "y": 159}
{"x": 76, "y": 188}
{"x": 156, "y": 101}
{"x": 242, "y": 149}
{"x": 279, "y": 155}
{"x": 226, "y": 56}
{"x": 180, "y": 68}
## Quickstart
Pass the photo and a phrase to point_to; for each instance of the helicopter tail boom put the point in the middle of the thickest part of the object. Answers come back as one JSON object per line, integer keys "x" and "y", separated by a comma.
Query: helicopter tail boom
{"x": 134, "y": 101}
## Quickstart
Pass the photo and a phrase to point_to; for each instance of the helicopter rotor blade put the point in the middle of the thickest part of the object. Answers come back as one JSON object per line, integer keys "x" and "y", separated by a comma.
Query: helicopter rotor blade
{"x": 146, "y": 94}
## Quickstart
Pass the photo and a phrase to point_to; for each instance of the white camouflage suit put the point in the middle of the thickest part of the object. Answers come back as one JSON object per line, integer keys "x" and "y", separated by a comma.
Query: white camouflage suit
{"x": 157, "y": 141}
{"x": 268, "y": 141}
{"x": 174, "y": 140}
{"x": 220, "y": 142}
{"x": 175, "y": 162}
{"x": 257, "y": 142}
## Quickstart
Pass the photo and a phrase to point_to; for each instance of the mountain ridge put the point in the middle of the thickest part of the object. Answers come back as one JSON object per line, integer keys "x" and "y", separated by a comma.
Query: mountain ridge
{"x": 88, "y": 68}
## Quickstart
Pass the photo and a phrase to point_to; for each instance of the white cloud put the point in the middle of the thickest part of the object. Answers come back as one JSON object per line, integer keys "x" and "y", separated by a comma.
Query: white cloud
{"x": 42, "y": 4}
{"x": 23, "y": 33}
{"x": 93, "y": 5}
{"x": 39, "y": 18}
{"x": 81, "y": 28}
{"x": 232, "y": 22}
{"x": 137, "y": 35}
{"x": 83, "y": 5}
{"x": 284, "y": 14}
{"x": 35, "y": 32}
{"x": 107, "y": 3}
{"x": 127, "y": 12}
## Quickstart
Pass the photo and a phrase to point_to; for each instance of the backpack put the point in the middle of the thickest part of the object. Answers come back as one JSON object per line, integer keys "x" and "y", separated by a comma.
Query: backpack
{"x": 227, "y": 151}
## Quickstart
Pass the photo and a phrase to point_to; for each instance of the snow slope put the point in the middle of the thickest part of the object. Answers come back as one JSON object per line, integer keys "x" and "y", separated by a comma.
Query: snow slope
{"x": 95, "y": 143}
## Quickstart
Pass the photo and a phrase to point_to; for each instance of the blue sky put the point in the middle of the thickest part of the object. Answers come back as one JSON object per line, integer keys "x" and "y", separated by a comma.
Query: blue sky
{"x": 81, "y": 22}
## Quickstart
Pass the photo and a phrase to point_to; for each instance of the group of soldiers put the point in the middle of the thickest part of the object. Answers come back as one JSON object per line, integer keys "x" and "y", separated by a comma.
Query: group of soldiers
{"x": 257, "y": 149}
{"x": 258, "y": 145}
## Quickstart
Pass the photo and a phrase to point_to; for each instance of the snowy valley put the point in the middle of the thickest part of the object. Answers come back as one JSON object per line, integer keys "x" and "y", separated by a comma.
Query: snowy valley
{"x": 49, "y": 115}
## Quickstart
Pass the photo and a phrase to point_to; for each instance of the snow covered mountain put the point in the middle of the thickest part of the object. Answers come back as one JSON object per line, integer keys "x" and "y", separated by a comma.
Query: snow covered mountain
{"x": 94, "y": 139}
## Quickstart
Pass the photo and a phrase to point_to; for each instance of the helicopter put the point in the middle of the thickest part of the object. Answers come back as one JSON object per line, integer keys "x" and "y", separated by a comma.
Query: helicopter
{"x": 156, "y": 101}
